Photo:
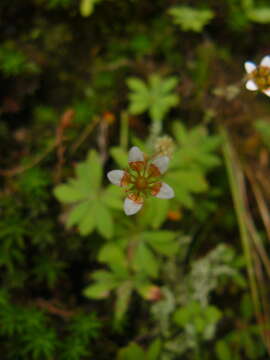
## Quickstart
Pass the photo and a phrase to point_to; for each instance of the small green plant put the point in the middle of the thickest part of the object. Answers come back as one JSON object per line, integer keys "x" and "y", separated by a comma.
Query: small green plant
{"x": 82, "y": 329}
{"x": 28, "y": 331}
{"x": 91, "y": 203}
{"x": 121, "y": 278}
{"x": 199, "y": 321}
{"x": 156, "y": 96}
{"x": 193, "y": 157}
{"x": 14, "y": 62}
{"x": 191, "y": 19}
{"x": 135, "y": 352}
{"x": 257, "y": 14}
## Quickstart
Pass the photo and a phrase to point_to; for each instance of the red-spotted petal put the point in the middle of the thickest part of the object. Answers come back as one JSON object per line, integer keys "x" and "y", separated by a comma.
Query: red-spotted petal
{"x": 118, "y": 177}
{"x": 165, "y": 192}
{"x": 135, "y": 154}
{"x": 249, "y": 66}
{"x": 250, "y": 85}
{"x": 162, "y": 163}
{"x": 131, "y": 207}
{"x": 136, "y": 159}
{"x": 156, "y": 188}
{"x": 265, "y": 61}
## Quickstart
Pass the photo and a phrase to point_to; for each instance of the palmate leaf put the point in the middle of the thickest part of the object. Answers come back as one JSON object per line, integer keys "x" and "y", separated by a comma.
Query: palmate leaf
{"x": 191, "y": 19}
{"x": 135, "y": 352}
{"x": 112, "y": 255}
{"x": 259, "y": 15}
{"x": 154, "y": 350}
{"x": 196, "y": 148}
{"x": 144, "y": 260}
{"x": 123, "y": 296}
{"x": 163, "y": 241}
{"x": 90, "y": 203}
{"x": 150, "y": 244}
{"x": 154, "y": 213}
{"x": 186, "y": 183}
{"x": 131, "y": 352}
{"x": 198, "y": 316}
{"x": 194, "y": 157}
{"x": 156, "y": 96}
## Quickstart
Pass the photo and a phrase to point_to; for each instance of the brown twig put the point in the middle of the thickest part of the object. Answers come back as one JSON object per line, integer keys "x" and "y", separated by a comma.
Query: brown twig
{"x": 20, "y": 169}
{"x": 53, "y": 309}
{"x": 84, "y": 135}
{"x": 65, "y": 122}
{"x": 103, "y": 140}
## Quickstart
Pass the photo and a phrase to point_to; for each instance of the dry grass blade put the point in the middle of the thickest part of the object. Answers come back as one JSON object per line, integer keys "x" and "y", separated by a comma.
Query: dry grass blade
{"x": 257, "y": 261}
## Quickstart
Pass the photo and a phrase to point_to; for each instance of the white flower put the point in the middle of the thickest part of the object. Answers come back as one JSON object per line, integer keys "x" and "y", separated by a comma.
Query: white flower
{"x": 258, "y": 75}
{"x": 141, "y": 179}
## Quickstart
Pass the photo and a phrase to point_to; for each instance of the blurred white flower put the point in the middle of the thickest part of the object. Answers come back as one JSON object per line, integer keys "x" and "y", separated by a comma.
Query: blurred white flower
{"x": 258, "y": 75}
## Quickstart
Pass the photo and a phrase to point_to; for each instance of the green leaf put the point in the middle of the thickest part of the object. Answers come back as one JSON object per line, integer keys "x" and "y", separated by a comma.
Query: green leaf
{"x": 112, "y": 197}
{"x": 104, "y": 276}
{"x": 191, "y": 182}
{"x": 78, "y": 212}
{"x": 154, "y": 213}
{"x": 137, "y": 85}
{"x": 95, "y": 170}
{"x": 169, "y": 84}
{"x": 191, "y": 19}
{"x": 259, "y": 15}
{"x": 98, "y": 290}
{"x": 138, "y": 104}
{"x": 91, "y": 204}
{"x": 212, "y": 314}
{"x": 123, "y": 295}
{"x": 105, "y": 282}
{"x": 223, "y": 351}
{"x": 145, "y": 261}
{"x": 196, "y": 148}
{"x": 197, "y": 315}
{"x": 68, "y": 193}
{"x": 156, "y": 96}
{"x": 154, "y": 350}
{"x": 162, "y": 241}
{"x": 103, "y": 220}
{"x": 112, "y": 254}
{"x": 119, "y": 156}
{"x": 87, "y": 223}
{"x": 131, "y": 352}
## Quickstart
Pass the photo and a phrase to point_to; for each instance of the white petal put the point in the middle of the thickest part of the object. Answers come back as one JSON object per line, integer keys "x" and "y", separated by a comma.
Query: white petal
{"x": 131, "y": 207}
{"x": 249, "y": 66}
{"x": 161, "y": 163}
{"x": 267, "y": 92}
{"x": 165, "y": 192}
{"x": 266, "y": 61}
{"x": 135, "y": 154}
{"x": 250, "y": 85}
{"x": 115, "y": 176}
